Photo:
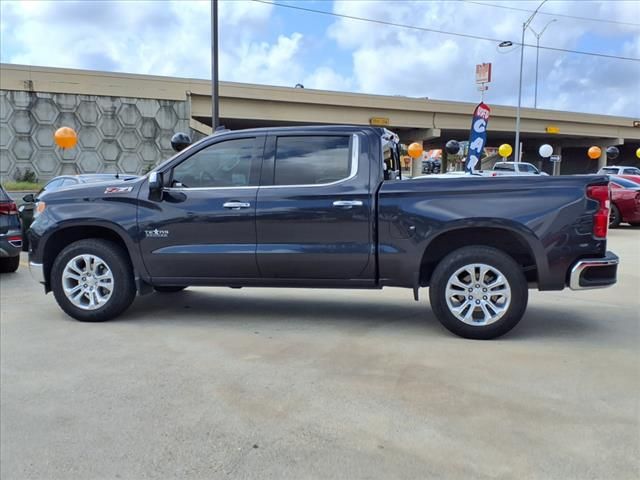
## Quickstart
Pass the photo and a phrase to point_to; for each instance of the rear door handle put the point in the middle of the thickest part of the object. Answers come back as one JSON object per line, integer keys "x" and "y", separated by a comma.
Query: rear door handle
{"x": 236, "y": 205}
{"x": 347, "y": 203}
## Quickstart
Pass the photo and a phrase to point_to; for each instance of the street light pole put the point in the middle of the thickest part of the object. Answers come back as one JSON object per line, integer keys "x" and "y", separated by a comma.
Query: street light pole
{"x": 517, "y": 145}
{"x": 215, "y": 114}
{"x": 538, "y": 35}
{"x": 517, "y": 149}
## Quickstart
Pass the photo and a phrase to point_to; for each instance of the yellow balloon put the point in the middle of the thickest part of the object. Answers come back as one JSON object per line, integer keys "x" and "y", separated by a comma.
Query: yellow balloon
{"x": 505, "y": 150}
{"x": 65, "y": 137}
{"x": 415, "y": 150}
{"x": 638, "y": 153}
{"x": 594, "y": 153}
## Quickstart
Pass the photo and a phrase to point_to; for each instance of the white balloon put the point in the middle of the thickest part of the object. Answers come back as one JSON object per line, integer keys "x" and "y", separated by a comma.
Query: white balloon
{"x": 545, "y": 150}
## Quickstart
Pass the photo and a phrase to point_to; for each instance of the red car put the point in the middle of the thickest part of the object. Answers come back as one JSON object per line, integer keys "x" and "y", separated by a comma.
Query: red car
{"x": 625, "y": 202}
{"x": 633, "y": 178}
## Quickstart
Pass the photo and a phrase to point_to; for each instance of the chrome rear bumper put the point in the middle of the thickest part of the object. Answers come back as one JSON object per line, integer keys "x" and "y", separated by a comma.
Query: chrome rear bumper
{"x": 594, "y": 272}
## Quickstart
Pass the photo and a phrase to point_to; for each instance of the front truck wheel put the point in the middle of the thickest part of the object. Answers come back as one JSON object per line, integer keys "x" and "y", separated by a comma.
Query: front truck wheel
{"x": 92, "y": 280}
{"x": 478, "y": 292}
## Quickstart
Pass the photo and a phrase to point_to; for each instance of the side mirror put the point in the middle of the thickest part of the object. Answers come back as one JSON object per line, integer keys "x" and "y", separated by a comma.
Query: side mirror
{"x": 155, "y": 182}
{"x": 29, "y": 198}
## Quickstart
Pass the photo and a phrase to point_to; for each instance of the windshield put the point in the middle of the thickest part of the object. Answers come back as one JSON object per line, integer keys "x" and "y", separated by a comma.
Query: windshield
{"x": 624, "y": 183}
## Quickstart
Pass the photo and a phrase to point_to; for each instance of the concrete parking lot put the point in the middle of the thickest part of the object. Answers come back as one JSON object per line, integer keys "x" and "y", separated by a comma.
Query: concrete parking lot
{"x": 265, "y": 383}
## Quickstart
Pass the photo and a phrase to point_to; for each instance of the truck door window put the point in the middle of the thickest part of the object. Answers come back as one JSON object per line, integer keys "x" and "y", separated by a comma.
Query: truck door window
{"x": 224, "y": 164}
{"x": 311, "y": 160}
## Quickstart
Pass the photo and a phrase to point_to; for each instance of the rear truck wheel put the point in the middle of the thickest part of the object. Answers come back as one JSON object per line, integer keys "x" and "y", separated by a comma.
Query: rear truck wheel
{"x": 478, "y": 292}
{"x": 92, "y": 280}
{"x": 614, "y": 217}
{"x": 9, "y": 264}
{"x": 166, "y": 289}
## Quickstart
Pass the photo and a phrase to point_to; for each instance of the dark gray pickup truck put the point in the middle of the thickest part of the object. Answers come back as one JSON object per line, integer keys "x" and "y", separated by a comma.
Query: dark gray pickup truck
{"x": 322, "y": 207}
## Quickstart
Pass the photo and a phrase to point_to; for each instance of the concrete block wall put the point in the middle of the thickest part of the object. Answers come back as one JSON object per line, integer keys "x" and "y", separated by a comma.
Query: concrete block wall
{"x": 115, "y": 134}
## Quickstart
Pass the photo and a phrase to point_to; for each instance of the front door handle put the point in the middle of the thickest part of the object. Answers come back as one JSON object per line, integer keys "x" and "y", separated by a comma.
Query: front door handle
{"x": 347, "y": 203}
{"x": 236, "y": 205}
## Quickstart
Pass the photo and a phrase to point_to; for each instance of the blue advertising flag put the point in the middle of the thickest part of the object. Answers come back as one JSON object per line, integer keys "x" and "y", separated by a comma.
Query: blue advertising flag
{"x": 478, "y": 136}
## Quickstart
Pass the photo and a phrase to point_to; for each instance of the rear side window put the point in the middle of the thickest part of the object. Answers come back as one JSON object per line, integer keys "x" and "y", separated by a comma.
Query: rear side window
{"x": 504, "y": 167}
{"x": 311, "y": 160}
{"x": 631, "y": 171}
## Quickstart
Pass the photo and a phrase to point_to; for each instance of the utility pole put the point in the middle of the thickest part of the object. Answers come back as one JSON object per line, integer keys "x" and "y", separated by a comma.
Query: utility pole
{"x": 518, "y": 152}
{"x": 215, "y": 112}
{"x": 538, "y": 35}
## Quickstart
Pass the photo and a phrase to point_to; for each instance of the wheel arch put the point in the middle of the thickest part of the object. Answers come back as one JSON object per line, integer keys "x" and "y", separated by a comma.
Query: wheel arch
{"x": 517, "y": 244}
{"x": 63, "y": 236}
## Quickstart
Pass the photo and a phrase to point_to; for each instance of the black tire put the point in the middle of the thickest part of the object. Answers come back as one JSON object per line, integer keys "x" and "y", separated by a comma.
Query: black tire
{"x": 495, "y": 259}
{"x": 9, "y": 264}
{"x": 117, "y": 259}
{"x": 167, "y": 289}
{"x": 25, "y": 240}
{"x": 614, "y": 217}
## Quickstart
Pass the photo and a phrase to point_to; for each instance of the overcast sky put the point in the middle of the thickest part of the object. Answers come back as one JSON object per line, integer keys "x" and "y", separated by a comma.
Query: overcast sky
{"x": 268, "y": 44}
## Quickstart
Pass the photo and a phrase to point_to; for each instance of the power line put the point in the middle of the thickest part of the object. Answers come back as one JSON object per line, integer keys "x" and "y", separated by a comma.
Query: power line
{"x": 442, "y": 32}
{"x": 574, "y": 17}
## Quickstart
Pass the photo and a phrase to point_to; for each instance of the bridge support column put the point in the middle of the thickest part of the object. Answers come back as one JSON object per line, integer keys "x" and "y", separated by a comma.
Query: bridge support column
{"x": 602, "y": 161}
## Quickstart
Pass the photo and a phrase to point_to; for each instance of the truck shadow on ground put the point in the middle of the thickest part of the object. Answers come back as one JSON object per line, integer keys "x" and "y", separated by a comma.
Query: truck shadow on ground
{"x": 218, "y": 305}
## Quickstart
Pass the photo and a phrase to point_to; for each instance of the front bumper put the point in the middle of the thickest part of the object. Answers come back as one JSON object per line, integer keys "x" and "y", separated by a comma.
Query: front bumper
{"x": 594, "y": 272}
{"x": 37, "y": 272}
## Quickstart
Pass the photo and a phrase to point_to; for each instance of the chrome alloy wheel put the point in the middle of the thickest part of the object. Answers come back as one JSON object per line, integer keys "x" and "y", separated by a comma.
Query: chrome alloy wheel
{"x": 478, "y": 294}
{"x": 87, "y": 282}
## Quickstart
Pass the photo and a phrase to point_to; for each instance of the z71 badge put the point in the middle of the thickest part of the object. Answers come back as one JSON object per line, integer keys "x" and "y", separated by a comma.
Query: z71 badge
{"x": 118, "y": 189}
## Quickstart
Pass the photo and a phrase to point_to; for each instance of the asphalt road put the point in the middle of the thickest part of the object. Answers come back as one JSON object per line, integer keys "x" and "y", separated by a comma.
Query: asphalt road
{"x": 279, "y": 384}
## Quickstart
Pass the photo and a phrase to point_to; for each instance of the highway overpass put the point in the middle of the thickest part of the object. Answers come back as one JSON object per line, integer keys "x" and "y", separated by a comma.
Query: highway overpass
{"x": 26, "y": 88}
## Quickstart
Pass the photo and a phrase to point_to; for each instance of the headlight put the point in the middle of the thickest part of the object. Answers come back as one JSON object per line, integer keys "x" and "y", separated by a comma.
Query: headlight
{"x": 40, "y": 206}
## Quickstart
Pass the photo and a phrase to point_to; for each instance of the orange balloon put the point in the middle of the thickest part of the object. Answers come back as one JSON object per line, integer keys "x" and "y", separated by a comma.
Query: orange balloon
{"x": 415, "y": 150}
{"x": 594, "y": 153}
{"x": 65, "y": 137}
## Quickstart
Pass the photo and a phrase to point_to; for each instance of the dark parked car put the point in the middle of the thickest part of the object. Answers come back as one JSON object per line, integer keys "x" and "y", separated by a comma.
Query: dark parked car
{"x": 323, "y": 207}
{"x": 625, "y": 202}
{"x": 26, "y": 209}
{"x": 10, "y": 234}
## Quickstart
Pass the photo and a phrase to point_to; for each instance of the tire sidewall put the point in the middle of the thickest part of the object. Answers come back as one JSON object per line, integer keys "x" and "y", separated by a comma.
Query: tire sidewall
{"x": 494, "y": 258}
{"x": 118, "y": 262}
{"x": 615, "y": 216}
